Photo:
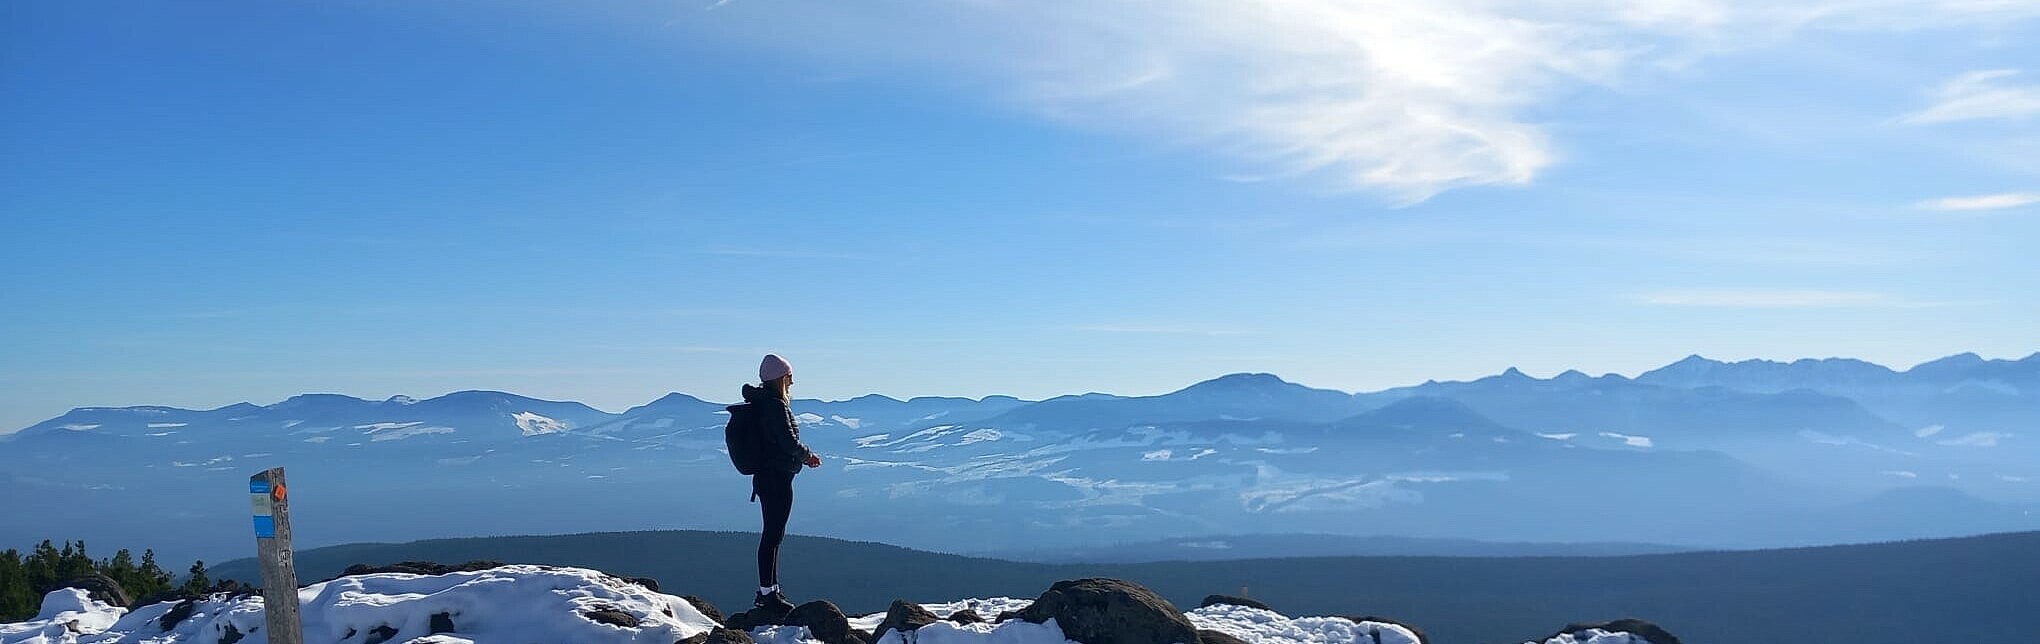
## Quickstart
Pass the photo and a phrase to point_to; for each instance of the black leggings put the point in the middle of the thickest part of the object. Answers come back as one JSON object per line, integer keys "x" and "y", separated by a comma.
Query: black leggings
{"x": 775, "y": 498}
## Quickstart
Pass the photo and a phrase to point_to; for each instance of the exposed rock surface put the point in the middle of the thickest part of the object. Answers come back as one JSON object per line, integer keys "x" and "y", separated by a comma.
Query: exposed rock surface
{"x": 1110, "y": 611}
{"x": 1640, "y": 628}
{"x": 1229, "y": 599}
{"x": 904, "y": 616}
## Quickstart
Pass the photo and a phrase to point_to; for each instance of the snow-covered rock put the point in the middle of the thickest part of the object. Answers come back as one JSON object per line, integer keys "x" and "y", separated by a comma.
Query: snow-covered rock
{"x": 508, "y": 604}
{"x": 1270, "y": 627}
{"x": 526, "y": 604}
{"x": 66, "y": 613}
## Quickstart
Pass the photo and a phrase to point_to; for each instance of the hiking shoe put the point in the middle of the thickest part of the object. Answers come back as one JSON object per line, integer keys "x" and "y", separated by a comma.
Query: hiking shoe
{"x": 774, "y": 601}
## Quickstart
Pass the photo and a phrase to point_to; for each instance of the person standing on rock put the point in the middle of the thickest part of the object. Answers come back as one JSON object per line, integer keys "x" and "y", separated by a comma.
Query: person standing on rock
{"x": 780, "y": 457}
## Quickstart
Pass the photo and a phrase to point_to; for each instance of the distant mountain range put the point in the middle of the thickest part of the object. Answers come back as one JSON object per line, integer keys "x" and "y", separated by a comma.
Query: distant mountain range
{"x": 1976, "y": 589}
{"x": 1698, "y": 453}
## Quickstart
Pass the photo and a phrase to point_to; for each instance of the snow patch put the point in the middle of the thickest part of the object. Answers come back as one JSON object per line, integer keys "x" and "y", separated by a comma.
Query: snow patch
{"x": 1595, "y": 636}
{"x": 532, "y": 424}
{"x": 508, "y": 604}
{"x": 407, "y": 432}
{"x": 1632, "y": 441}
{"x": 1904, "y": 474}
{"x": 1285, "y": 450}
{"x": 1270, "y": 627}
{"x": 166, "y": 425}
{"x": 852, "y": 423}
{"x": 1558, "y": 437}
{"x": 810, "y": 419}
{"x": 78, "y": 427}
{"x": 871, "y": 441}
{"x": 60, "y": 608}
{"x": 318, "y": 439}
{"x": 985, "y": 435}
{"x": 377, "y": 427}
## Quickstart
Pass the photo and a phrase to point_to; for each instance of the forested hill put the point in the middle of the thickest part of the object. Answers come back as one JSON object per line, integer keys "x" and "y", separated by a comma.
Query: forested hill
{"x": 1972, "y": 589}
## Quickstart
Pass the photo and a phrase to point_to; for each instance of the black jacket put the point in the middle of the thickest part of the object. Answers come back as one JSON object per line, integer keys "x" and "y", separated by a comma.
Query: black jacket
{"x": 784, "y": 452}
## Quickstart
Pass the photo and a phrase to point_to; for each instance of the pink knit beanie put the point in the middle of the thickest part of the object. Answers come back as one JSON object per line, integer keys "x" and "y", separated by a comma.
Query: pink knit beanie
{"x": 773, "y": 368}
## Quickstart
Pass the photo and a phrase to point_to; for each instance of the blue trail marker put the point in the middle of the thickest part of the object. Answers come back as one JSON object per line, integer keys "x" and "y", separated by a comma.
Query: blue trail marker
{"x": 269, "y": 501}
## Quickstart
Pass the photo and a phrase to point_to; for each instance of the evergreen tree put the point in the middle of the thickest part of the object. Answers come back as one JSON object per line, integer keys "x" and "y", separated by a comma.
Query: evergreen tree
{"x": 76, "y": 564}
{"x": 42, "y": 568}
{"x": 121, "y": 568}
{"x": 151, "y": 578}
{"x": 197, "y": 583}
{"x": 17, "y": 601}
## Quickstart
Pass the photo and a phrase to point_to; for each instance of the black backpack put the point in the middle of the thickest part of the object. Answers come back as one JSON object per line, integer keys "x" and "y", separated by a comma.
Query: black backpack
{"x": 745, "y": 442}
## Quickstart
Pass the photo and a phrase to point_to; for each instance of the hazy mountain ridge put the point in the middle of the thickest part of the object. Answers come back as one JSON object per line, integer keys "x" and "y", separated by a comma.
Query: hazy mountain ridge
{"x": 1237, "y": 454}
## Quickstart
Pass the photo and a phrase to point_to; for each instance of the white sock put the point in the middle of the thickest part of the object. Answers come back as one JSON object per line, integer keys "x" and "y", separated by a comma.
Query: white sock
{"x": 767, "y": 590}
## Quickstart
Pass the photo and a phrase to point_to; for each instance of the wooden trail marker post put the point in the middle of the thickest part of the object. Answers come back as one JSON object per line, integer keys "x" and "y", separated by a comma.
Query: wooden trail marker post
{"x": 271, "y": 500}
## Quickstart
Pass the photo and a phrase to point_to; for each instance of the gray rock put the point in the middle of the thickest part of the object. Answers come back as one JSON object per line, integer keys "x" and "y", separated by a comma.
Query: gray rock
{"x": 824, "y": 622}
{"x": 904, "y": 616}
{"x": 1110, "y": 611}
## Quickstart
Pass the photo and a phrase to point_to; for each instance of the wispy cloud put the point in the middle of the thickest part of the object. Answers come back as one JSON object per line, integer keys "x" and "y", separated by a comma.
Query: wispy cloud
{"x": 1398, "y": 97}
{"x": 1769, "y": 298}
{"x": 1160, "y": 329}
{"x": 1986, "y": 94}
{"x": 1982, "y": 202}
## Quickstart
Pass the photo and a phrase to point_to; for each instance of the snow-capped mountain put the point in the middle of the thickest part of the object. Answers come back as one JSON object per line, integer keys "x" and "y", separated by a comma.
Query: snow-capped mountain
{"x": 1495, "y": 458}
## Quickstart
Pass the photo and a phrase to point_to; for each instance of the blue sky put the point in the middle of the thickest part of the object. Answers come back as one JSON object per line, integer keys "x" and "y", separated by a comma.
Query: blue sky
{"x": 212, "y": 202}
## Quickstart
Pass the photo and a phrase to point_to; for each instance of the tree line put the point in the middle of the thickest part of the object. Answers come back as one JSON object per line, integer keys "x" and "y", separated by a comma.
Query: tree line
{"x": 25, "y": 578}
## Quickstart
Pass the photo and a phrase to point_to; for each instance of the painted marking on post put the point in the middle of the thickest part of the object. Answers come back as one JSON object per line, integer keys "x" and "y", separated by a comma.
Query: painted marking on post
{"x": 264, "y": 508}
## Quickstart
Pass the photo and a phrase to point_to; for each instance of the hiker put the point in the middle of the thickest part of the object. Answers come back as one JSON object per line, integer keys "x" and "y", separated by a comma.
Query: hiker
{"x": 779, "y": 456}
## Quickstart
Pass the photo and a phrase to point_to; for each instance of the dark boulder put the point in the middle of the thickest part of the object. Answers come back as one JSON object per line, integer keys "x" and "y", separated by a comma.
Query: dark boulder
{"x": 966, "y": 616}
{"x": 442, "y": 623}
{"x": 705, "y": 607}
{"x": 1215, "y": 637}
{"x": 904, "y": 616}
{"x": 177, "y": 614}
{"x": 603, "y": 614}
{"x": 648, "y": 582}
{"x": 756, "y": 617}
{"x": 1110, "y": 611}
{"x": 719, "y": 636}
{"x": 1649, "y": 632}
{"x": 420, "y": 568}
{"x": 101, "y": 588}
{"x": 825, "y": 623}
{"x": 378, "y": 635}
{"x": 1421, "y": 638}
{"x": 1213, "y": 600}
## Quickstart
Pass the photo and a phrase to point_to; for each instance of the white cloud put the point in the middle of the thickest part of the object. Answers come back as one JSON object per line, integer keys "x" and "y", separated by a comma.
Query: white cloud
{"x": 1986, "y": 94}
{"x": 1405, "y": 98}
{"x": 1982, "y": 202}
{"x": 1977, "y": 439}
{"x": 1929, "y": 430}
{"x": 1765, "y": 298}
